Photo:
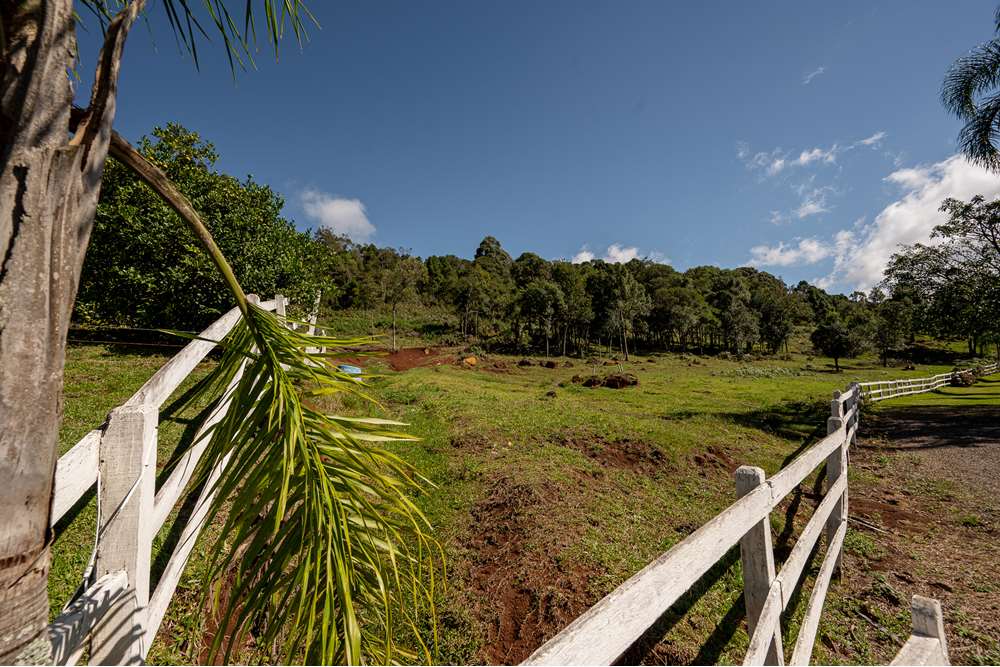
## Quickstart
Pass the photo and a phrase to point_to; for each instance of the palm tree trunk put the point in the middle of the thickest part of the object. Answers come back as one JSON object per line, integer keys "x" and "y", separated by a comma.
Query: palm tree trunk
{"x": 49, "y": 185}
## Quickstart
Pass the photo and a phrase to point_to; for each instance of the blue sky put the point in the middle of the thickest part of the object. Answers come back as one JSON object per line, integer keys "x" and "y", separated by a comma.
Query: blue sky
{"x": 804, "y": 137}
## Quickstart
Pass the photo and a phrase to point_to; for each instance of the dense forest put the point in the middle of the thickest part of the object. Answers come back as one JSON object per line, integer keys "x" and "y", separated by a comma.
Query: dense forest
{"x": 145, "y": 270}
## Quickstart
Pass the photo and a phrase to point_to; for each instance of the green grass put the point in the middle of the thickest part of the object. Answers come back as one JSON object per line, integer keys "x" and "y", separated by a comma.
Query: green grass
{"x": 483, "y": 428}
{"x": 493, "y": 435}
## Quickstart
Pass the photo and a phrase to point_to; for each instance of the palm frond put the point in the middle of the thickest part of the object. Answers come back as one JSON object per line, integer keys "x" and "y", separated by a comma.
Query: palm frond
{"x": 970, "y": 76}
{"x": 188, "y": 18}
{"x": 977, "y": 138}
{"x": 320, "y": 540}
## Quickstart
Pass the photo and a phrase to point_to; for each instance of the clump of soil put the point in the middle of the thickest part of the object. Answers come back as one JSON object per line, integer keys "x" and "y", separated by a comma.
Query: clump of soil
{"x": 635, "y": 455}
{"x": 523, "y": 363}
{"x": 714, "y": 458}
{"x": 613, "y": 381}
{"x": 548, "y": 363}
{"x": 620, "y": 380}
{"x": 521, "y": 593}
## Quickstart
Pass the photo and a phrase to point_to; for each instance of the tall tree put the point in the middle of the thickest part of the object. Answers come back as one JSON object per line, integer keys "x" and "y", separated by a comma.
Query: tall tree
{"x": 630, "y": 304}
{"x": 402, "y": 275}
{"x": 835, "y": 339}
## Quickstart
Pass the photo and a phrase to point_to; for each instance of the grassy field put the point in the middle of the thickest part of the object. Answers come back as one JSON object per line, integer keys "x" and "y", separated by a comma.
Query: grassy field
{"x": 547, "y": 494}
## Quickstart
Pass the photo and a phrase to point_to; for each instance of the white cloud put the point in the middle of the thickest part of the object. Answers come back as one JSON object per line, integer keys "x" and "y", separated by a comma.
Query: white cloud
{"x": 806, "y": 251}
{"x": 862, "y": 254}
{"x": 777, "y": 160}
{"x": 817, "y": 154}
{"x": 807, "y": 79}
{"x": 347, "y": 217}
{"x": 873, "y": 140}
{"x": 616, "y": 253}
{"x": 813, "y": 202}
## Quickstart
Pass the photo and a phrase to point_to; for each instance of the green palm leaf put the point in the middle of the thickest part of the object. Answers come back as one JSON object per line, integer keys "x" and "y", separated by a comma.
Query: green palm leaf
{"x": 319, "y": 535}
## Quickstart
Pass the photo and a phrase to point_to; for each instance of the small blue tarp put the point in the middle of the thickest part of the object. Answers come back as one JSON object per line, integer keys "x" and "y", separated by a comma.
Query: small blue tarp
{"x": 349, "y": 369}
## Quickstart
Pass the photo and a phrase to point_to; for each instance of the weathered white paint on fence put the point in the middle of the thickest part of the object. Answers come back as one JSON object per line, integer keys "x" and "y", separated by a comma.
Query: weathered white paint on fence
{"x": 928, "y": 644}
{"x": 160, "y": 599}
{"x": 165, "y": 381}
{"x": 810, "y": 620}
{"x": 603, "y": 633}
{"x": 757, "y": 558}
{"x": 125, "y": 541}
{"x": 76, "y": 472}
{"x": 69, "y": 630}
{"x": 170, "y": 491}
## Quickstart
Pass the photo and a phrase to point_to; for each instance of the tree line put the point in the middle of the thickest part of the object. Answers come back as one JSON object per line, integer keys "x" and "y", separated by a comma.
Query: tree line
{"x": 138, "y": 274}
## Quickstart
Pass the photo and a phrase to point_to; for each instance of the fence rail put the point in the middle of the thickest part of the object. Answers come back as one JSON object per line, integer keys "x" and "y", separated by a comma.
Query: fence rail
{"x": 603, "y": 634}
{"x": 118, "y": 612}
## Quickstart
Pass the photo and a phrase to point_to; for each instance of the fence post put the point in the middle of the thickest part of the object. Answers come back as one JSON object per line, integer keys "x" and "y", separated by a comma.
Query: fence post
{"x": 127, "y": 478}
{"x": 279, "y": 305}
{"x": 314, "y": 314}
{"x": 757, "y": 557}
{"x": 836, "y": 465}
{"x": 928, "y": 621}
{"x": 855, "y": 404}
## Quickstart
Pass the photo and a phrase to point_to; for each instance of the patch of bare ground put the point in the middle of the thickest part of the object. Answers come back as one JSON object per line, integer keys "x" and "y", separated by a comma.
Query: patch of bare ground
{"x": 412, "y": 357}
{"x": 927, "y": 496}
{"x": 635, "y": 455}
{"x": 519, "y": 586}
{"x": 714, "y": 459}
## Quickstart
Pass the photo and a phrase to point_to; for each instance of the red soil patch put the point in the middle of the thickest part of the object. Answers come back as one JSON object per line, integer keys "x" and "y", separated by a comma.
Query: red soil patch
{"x": 521, "y": 592}
{"x": 886, "y": 514}
{"x": 635, "y": 455}
{"x": 714, "y": 458}
{"x": 413, "y": 357}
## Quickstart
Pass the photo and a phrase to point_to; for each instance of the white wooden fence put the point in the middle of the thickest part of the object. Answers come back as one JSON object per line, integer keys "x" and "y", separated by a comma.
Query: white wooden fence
{"x": 873, "y": 392}
{"x": 118, "y": 613}
{"x": 603, "y": 634}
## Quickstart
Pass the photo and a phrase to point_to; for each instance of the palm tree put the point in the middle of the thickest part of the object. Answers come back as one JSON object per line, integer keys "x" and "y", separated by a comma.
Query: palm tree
{"x": 970, "y": 91}
{"x": 325, "y": 545}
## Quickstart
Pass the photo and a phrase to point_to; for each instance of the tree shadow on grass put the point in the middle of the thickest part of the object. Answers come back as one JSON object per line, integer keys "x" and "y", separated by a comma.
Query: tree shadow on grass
{"x": 804, "y": 421}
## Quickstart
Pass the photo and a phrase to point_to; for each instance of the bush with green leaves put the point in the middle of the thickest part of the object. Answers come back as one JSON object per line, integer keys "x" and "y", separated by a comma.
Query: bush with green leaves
{"x": 144, "y": 267}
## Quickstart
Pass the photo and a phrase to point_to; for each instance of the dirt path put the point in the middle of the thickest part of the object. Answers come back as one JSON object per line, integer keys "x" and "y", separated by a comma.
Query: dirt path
{"x": 925, "y": 495}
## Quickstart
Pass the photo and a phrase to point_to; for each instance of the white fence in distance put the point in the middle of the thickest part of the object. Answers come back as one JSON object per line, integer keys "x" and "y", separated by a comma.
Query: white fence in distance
{"x": 118, "y": 613}
{"x": 873, "y": 392}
